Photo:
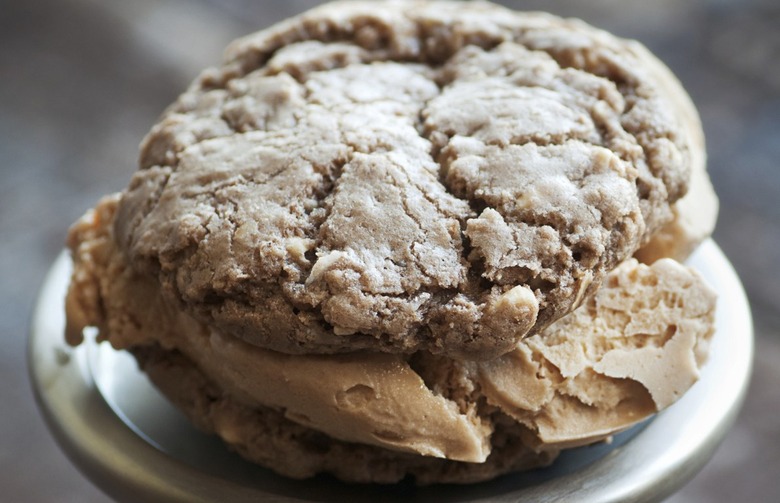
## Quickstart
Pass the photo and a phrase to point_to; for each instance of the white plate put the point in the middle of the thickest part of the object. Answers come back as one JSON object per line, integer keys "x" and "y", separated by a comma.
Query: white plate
{"x": 136, "y": 447}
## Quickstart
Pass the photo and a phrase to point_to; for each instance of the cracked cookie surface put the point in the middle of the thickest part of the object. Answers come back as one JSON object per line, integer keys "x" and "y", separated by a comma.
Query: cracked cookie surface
{"x": 405, "y": 176}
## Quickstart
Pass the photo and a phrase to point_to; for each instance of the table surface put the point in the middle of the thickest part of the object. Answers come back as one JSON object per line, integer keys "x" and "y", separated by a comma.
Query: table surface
{"x": 82, "y": 81}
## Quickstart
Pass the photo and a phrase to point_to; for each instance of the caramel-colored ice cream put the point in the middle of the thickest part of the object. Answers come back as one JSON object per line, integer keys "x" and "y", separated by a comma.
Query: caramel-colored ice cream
{"x": 630, "y": 351}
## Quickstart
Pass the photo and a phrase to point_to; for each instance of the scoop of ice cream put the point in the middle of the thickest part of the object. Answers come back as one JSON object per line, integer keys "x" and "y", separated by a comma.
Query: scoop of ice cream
{"x": 629, "y": 351}
{"x": 374, "y": 399}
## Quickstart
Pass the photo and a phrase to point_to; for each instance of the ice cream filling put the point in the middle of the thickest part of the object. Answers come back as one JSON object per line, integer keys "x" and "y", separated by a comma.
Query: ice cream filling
{"x": 627, "y": 352}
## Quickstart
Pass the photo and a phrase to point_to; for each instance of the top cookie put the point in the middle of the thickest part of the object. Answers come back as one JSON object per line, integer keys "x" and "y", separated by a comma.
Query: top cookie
{"x": 405, "y": 176}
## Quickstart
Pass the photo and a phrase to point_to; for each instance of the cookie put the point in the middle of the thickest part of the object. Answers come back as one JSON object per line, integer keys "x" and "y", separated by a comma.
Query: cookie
{"x": 406, "y": 176}
{"x": 630, "y": 350}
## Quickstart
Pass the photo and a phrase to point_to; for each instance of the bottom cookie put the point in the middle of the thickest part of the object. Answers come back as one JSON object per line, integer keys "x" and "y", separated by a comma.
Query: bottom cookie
{"x": 264, "y": 436}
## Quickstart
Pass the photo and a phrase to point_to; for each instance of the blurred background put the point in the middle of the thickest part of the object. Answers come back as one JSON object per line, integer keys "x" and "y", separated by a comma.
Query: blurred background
{"x": 81, "y": 81}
